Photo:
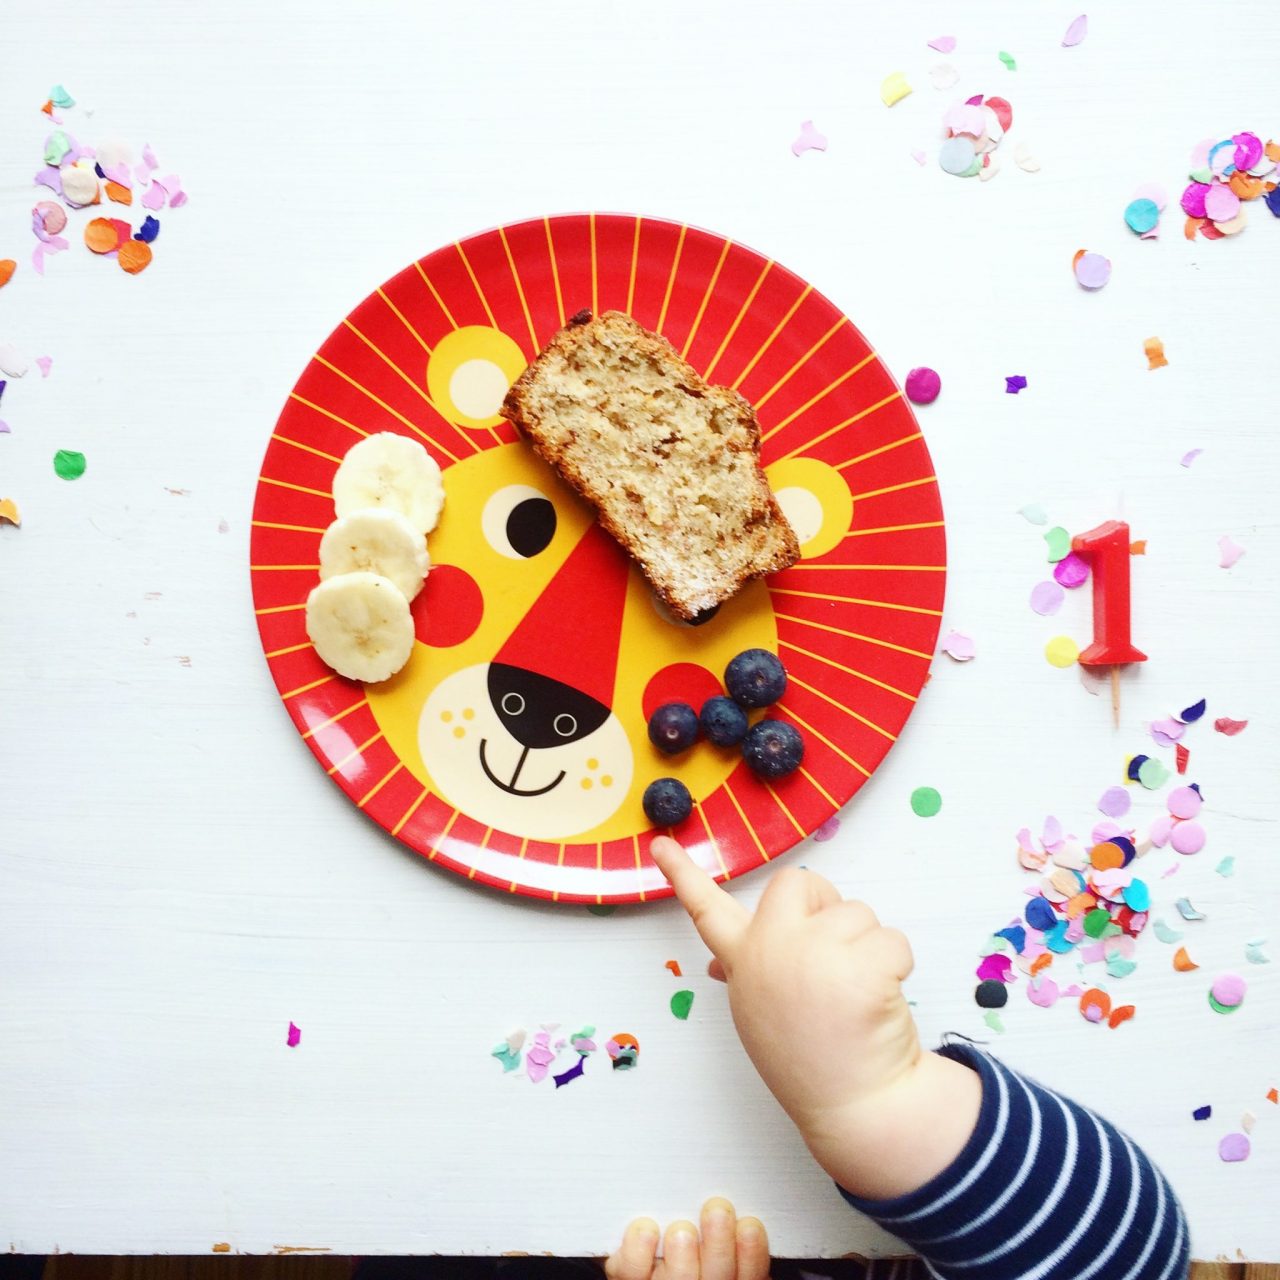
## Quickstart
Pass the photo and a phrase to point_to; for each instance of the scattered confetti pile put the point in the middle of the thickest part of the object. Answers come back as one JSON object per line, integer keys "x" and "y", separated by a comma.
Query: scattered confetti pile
{"x": 1226, "y": 175}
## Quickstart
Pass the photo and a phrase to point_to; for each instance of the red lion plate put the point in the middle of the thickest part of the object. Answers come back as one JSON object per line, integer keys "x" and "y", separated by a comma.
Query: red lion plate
{"x": 522, "y": 576}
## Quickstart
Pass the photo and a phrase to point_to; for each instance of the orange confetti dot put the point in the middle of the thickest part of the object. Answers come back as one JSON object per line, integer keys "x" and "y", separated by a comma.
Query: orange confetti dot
{"x": 1079, "y": 904}
{"x": 7, "y": 267}
{"x": 1191, "y": 226}
{"x": 135, "y": 256}
{"x": 1095, "y": 1005}
{"x": 101, "y": 236}
{"x": 1106, "y": 856}
{"x": 9, "y": 511}
{"x": 1273, "y": 1096}
{"x": 1154, "y": 349}
{"x": 1041, "y": 962}
{"x": 1123, "y": 1014}
{"x": 1272, "y": 150}
{"x": 1183, "y": 962}
{"x": 121, "y": 195}
{"x": 48, "y": 107}
{"x": 674, "y": 966}
{"x": 1244, "y": 186}
{"x": 1138, "y": 548}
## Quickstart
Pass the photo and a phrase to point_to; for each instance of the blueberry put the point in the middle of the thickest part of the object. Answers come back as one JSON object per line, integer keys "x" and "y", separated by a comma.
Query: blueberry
{"x": 723, "y": 721}
{"x": 673, "y": 727}
{"x": 755, "y": 678}
{"x": 773, "y": 749}
{"x": 667, "y": 802}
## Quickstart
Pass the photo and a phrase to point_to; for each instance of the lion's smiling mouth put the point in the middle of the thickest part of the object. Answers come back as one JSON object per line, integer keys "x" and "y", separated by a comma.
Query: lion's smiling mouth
{"x": 510, "y": 787}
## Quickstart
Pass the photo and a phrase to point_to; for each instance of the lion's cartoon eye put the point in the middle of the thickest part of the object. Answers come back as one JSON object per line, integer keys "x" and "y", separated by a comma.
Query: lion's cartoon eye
{"x": 518, "y": 521}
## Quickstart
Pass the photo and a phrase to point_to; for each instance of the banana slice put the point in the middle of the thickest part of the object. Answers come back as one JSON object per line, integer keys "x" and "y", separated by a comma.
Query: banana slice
{"x": 393, "y": 472}
{"x": 360, "y": 625}
{"x": 380, "y": 541}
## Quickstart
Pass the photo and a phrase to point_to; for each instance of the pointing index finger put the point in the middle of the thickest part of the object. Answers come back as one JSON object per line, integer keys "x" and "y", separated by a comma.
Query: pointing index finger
{"x": 719, "y": 920}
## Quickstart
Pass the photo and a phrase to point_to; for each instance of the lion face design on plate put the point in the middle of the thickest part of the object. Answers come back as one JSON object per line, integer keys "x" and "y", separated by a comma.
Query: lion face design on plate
{"x": 542, "y": 651}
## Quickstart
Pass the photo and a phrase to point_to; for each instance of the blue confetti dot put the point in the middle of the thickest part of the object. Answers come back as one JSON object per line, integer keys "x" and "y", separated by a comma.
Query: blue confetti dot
{"x": 1141, "y": 216}
{"x": 148, "y": 231}
{"x": 1040, "y": 914}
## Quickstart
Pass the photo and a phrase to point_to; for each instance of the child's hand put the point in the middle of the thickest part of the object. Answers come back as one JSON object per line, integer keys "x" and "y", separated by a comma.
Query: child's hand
{"x": 815, "y": 986}
{"x": 729, "y": 1249}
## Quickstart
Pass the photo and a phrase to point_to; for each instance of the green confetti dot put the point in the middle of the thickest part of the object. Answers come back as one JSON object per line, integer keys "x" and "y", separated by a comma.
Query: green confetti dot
{"x": 1217, "y": 1007}
{"x": 69, "y": 464}
{"x": 1153, "y": 774}
{"x": 56, "y": 148}
{"x": 602, "y": 908}
{"x": 1008, "y": 60}
{"x": 1058, "y": 540}
{"x": 681, "y": 1003}
{"x": 992, "y": 1019}
{"x": 61, "y": 98}
{"x": 925, "y": 802}
{"x": 1096, "y": 921}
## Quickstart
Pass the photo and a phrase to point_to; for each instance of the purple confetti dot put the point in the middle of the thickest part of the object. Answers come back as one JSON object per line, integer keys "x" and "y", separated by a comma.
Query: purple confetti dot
{"x": 1014, "y": 384}
{"x": 1047, "y": 598}
{"x": 1233, "y": 1148}
{"x": 1115, "y": 802}
{"x": 923, "y": 385}
{"x": 828, "y": 830}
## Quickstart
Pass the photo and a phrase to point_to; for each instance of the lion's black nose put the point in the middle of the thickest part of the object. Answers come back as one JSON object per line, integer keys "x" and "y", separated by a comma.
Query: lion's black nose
{"x": 540, "y": 712}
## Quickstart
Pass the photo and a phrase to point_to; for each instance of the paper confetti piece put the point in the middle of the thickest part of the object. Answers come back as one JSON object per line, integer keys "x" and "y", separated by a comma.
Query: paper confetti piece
{"x": 1014, "y": 383}
{"x": 1115, "y": 802}
{"x": 1047, "y": 598}
{"x": 809, "y": 140}
{"x": 69, "y": 464}
{"x": 12, "y": 361}
{"x": 505, "y": 1054}
{"x": 1187, "y": 911}
{"x": 681, "y": 1003}
{"x": 1061, "y": 651}
{"x": 118, "y": 194}
{"x": 293, "y": 1036}
{"x": 100, "y": 236}
{"x": 943, "y": 44}
{"x": 1092, "y": 270}
{"x": 1233, "y": 1148}
{"x": 959, "y": 157}
{"x": 1182, "y": 962}
{"x": 1058, "y": 542}
{"x": 1154, "y": 349}
{"x": 994, "y": 968}
{"x": 1226, "y": 868}
{"x": 1202, "y": 1113}
{"x": 674, "y": 967}
{"x": 1273, "y": 1095}
{"x": 827, "y": 831}
{"x": 44, "y": 364}
{"x": 923, "y": 385}
{"x": 1095, "y": 1005}
{"x": 1033, "y": 513}
{"x": 134, "y": 256}
{"x": 994, "y": 1021}
{"x": 1008, "y": 59}
{"x": 1153, "y": 774}
{"x": 1253, "y": 951}
{"x": 1181, "y": 756}
{"x": 61, "y": 98}
{"x": 1224, "y": 724}
{"x": 1123, "y": 1014}
{"x": 958, "y": 645}
{"x": 149, "y": 230}
{"x": 925, "y": 802}
{"x": 1247, "y": 1121}
{"x": 1141, "y": 216}
{"x": 1229, "y": 551}
{"x": 572, "y": 1074}
{"x": 9, "y": 512}
{"x": 1227, "y": 993}
{"x": 7, "y": 267}
{"x": 1071, "y": 571}
{"x": 1025, "y": 159}
{"x": 1190, "y": 456}
{"x": 894, "y": 88}
{"x": 944, "y": 75}
{"x": 1076, "y": 32}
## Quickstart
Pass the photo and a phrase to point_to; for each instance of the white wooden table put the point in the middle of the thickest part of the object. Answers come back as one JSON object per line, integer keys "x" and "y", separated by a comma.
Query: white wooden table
{"x": 178, "y": 880}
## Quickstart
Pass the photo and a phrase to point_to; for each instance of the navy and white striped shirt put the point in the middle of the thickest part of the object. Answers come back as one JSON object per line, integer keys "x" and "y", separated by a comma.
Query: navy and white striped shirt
{"x": 1043, "y": 1190}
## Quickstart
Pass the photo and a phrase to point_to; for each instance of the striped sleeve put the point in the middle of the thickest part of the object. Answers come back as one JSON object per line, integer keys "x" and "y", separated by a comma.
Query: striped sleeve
{"x": 1044, "y": 1190}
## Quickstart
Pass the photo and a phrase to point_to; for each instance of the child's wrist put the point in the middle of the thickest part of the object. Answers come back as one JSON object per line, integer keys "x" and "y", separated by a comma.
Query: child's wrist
{"x": 892, "y": 1141}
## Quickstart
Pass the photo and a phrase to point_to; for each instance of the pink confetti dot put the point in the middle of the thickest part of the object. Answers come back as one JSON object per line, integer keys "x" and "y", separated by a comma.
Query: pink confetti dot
{"x": 1221, "y": 204}
{"x": 828, "y": 830}
{"x": 1187, "y": 837}
{"x": 923, "y": 385}
{"x": 1071, "y": 571}
{"x": 1184, "y": 802}
{"x": 1193, "y": 199}
{"x": 1228, "y": 990}
{"x": 293, "y": 1037}
{"x": 1233, "y": 1148}
{"x": 1115, "y": 802}
{"x": 1047, "y": 598}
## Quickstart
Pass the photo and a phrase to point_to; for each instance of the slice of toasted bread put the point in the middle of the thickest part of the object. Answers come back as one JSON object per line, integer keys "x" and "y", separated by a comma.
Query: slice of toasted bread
{"x": 671, "y": 464}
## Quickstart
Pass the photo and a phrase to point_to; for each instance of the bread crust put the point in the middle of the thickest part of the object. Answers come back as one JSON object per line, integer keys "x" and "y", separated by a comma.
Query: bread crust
{"x": 775, "y": 546}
